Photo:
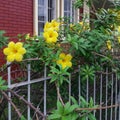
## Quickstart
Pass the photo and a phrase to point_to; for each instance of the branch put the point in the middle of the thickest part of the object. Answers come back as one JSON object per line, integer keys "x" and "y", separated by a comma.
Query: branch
{"x": 58, "y": 94}
{"x": 26, "y": 102}
{"x": 93, "y": 6}
{"x": 10, "y": 101}
{"x": 104, "y": 4}
{"x": 98, "y": 108}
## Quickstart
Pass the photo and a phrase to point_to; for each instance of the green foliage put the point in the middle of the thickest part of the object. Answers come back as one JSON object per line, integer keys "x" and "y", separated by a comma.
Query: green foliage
{"x": 87, "y": 72}
{"x": 65, "y": 112}
{"x": 23, "y": 118}
{"x": 78, "y": 3}
{"x": 58, "y": 74}
{"x": 106, "y": 19}
{"x": 3, "y": 39}
{"x": 87, "y": 113}
{"x": 2, "y": 84}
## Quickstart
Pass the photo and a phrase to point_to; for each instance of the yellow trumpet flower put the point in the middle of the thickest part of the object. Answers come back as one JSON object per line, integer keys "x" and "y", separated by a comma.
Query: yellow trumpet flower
{"x": 64, "y": 60}
{"x": 14, "y": 51}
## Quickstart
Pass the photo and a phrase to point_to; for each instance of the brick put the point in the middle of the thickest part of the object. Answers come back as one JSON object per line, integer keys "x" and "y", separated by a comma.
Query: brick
{"x": 16, "y": 16}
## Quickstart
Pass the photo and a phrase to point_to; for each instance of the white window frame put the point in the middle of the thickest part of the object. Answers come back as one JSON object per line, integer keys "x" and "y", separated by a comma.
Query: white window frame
{"x": 59, "y": 12}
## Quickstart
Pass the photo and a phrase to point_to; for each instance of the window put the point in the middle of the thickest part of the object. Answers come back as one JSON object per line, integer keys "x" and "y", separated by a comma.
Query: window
{"x": 46, "y": 12}
{"x": 69, "y": 10}
{"x": 52, "y": 9}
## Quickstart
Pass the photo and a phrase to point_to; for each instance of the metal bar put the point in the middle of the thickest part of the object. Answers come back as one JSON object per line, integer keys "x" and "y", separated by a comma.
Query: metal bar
{"x": 87, "y": 90}
{"x": 79, "y": 86}
{"x": 116, "y": 96}
{"x": 106, "y": 93}
{"x": 26, "y": 82}
{"x": 94, "y": 94}
{"x": 101, "y": 95}
{"x": 87, "y": 94}
{"x": 45, "y": 89}
{"x": 119, "y": 100}
{"x": 119, "y": 112}
{"x": 9, "y": 94}
{"x": 111, "y": 118}
{"x": 28, "y": 114}
{"x": 69, "y": 88}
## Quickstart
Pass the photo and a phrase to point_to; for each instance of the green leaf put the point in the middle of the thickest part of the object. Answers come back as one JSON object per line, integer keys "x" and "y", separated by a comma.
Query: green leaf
{"x": 74, "y": 100}
{"x": 72, "y": 108}
{"x": 91, "y": 117}
{"x": 60, "y": 107}
{"x": 91, "y": 104}
{"x": 54, "y": 116}
{"x": 3, "y": 87}
{"x": 23, "y": 118}
{"x": 66, "y": 108}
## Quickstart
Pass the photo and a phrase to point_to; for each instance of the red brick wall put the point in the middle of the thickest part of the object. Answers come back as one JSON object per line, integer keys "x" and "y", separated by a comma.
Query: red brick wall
{"x": 16, "y": 16}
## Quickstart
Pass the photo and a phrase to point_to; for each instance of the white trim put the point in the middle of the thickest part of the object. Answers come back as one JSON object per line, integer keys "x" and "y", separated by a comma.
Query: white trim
{"x": 57, "y": 9}
{"x": 86, "y": 11}
{"x": 35, "y": 17}
{"x": 62, "y": 8}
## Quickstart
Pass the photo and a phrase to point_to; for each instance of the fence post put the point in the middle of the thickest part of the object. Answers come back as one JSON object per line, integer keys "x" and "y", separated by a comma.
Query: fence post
{"x": 28, "y": 70}
{"x": 79, "y": 85}
{"x": 45, "y": 89}
{"x": 9, "y": 94}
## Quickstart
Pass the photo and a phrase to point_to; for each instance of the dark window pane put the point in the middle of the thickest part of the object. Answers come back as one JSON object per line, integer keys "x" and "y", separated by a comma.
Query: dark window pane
{"x": 41, "y": 2}
{"x": 40, "y": 28}
{"x": 41, "y": 14}
{"x": 67, "y": 5}
{"x": 50, "y": 3}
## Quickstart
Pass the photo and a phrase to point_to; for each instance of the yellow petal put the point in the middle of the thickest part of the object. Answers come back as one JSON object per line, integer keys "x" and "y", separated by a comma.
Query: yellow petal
{"x": 47, "y": 26}
{"x": 68, "y": 57}
{"x": 119, "y": 39}
{"x": 62, "y": 55}
{"x": 11, "y": 44}
{"x": 10, "y": 58}
{"x": 22, "y": 51}
{"x": 18, "y": 45}
{"x": 69, "y": 64}
{"x": 6, "y": 51}
{"x": 18, "y": 57}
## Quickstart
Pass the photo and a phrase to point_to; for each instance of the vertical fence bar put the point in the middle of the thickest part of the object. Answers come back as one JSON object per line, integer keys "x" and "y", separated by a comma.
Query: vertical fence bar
{"x": 69, "y": 88}
{"x": 94, "y": 94}
{"x": 101, "y": 95}
{"x": 45, "y": 89}
{"x": 116, "y": 95}
{"x": 87, "y": 94}
{"x": 79, "y": 85}
{"x": 87, "y": 90}
{"x": 9, "y": 94}
{"x": 106, "y": 93}
{"x": 119, "y": 101}
{"x": 28, "y": 114}
{"x": 111, "y": 117}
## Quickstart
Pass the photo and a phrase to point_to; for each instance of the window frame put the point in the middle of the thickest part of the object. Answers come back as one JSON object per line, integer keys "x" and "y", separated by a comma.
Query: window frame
{"x": 58, "y": 12}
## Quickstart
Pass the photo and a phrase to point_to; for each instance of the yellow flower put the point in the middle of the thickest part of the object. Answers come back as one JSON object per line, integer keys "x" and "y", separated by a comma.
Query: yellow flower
{"x": 109, "y": 46}
{"x": 85, "y": 25}
{"x": 81, "y": 23}
{"x": 14, "y": 51}
{"x": 27, "y": 36}
{"x": 118, "y": 29}
{"x": 71, "y": 26}
{"x": 119, "y": 39}
{"x": 47, "y": 26}
{"x": 64, "y": 60}
{"x": 55, "y": 25}
{"x": 50, "y": 36}
{"x": 51, "y": 25}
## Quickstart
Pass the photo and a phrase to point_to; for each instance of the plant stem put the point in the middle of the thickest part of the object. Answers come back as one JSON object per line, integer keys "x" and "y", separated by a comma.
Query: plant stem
{"x": 14, "y": 106}
{"x": 58, "y": 94}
